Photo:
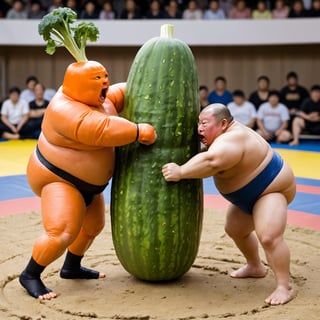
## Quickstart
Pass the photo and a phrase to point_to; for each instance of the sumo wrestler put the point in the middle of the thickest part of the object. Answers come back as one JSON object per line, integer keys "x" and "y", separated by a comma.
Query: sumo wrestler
{"x": 259, "y": 186}
{"x": 71, "y": 166}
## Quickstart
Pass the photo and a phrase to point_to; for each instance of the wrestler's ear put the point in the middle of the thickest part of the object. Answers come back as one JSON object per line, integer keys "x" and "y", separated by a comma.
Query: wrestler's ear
{"x": 224, "y": 124}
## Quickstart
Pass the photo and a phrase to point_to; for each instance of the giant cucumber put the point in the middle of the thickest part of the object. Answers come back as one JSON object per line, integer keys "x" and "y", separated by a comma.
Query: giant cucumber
{"x": 156, "y": 225}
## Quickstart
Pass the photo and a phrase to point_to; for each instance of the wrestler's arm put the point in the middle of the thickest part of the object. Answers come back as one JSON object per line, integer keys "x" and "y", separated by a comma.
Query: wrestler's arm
{"x": 92, "y": 127}
{"x": 219, "y": 157}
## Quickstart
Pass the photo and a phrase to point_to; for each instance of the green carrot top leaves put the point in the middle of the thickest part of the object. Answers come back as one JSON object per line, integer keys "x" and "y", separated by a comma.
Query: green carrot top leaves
{"x": 57, "y": 29}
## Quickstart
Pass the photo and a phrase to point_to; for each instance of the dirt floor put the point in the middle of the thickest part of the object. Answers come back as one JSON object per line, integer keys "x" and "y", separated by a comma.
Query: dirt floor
{"x": 205, "y": 292}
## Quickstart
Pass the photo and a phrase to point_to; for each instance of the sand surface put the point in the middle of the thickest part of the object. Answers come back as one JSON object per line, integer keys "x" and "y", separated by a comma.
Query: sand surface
{"x": 205, "y": 292}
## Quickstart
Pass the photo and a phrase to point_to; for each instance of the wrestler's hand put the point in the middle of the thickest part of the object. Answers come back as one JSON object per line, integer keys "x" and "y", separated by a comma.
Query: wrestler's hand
{"x": 146, "y": 134}
{"x": 171, "y": 172}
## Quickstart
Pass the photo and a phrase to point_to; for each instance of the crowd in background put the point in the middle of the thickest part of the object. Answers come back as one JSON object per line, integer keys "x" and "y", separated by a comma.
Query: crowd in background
{"x": 163, "y": 9}
{"x": 278, "y": 115}
{"x": 23, "y": 110}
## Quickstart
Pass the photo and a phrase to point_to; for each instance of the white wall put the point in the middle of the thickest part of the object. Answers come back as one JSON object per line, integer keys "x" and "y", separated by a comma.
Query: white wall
{"x": 198, "y": 33}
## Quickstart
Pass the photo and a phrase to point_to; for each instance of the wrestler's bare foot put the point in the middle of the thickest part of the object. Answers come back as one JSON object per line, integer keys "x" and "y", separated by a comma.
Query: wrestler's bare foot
{"x": 48, "y": 296}
{"x": 294, "y": 143}
{"x": 249, "y": 271}
{"x": 281, "y": 295}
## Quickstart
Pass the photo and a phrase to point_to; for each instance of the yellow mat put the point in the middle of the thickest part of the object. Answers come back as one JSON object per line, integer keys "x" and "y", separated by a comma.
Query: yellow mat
{"x": 305, "y": 164}
{"x": 14, "y": 157}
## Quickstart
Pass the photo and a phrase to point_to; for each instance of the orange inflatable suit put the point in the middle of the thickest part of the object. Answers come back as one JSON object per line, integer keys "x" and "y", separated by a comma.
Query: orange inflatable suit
{"x": 71, "y": 166}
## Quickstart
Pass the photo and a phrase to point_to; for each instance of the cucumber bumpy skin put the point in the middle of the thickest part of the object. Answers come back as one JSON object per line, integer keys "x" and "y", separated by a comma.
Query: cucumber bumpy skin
{"x": 156, "y": 225}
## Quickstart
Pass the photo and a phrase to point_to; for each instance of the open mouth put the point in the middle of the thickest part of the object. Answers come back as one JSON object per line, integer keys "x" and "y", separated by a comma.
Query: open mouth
{"x": 202, "y": 138}
{"x": 103, "y": 94}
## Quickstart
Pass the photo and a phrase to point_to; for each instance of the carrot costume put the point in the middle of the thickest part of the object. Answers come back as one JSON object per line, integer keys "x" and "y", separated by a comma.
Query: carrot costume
{"x": 71, "y": 166}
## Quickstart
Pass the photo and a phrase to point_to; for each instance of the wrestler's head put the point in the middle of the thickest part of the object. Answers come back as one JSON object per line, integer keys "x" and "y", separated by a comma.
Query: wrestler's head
{"x": 86, "y": 82}
{"x": 213, "y": 121}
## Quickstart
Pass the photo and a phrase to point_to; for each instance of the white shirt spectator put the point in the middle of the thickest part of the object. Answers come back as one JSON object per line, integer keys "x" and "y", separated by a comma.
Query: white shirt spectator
{"x": 242, "y": 113}
{"x": 273, "y": 117}
{"x": 15, "y": 112}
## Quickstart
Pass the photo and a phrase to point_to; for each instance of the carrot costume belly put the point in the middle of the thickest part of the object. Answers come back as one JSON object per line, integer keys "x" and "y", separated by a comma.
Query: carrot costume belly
{"x": 41, "y": 172}
{"x": 93, "y": 165}
{"x": 87, "y": 190}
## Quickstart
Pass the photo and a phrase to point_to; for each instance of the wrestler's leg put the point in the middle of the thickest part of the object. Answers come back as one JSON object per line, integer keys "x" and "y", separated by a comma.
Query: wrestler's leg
{"x": 270, "y": 219}
{"x": 239, "y": 226}
{"x": 63, "y": 210}
{"x": 92, "y": 225}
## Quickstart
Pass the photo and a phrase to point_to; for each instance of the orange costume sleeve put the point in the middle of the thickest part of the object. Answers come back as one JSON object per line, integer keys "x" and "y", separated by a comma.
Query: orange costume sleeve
{"x": 115, "y": 96}
{"x": 72, "y": 123}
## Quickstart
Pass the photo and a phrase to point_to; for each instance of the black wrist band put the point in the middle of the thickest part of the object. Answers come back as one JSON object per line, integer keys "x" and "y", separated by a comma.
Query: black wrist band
{"x": 137, "y": 137}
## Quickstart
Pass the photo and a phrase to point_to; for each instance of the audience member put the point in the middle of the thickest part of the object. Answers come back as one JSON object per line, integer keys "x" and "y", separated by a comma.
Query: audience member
{"x": 4, "y": 8}
{"x": 220, "y": 94}
{"x": 17, "y": 11}
{"x": 37, "y": 109}
{"x": 46, "y": 4}
{"x": 172, "y": 11}
{"x": 226, "y": 6}
{"x": 14, "y": 116}
{"x": 261, "y": 11}
{"x": 314, "y": 11}
{"x": 293, "y": 94}
{"x": 308, "y": 117}
{"x": 144, "y": 6}
{"x": 214, "y": 12}
{"x": 192, "y": 12}
{"x": 89, "y": 11}
{"x": 280, "y": 10}
{"x": 202, "y": 4}
{"x": 27, "y": 94}
{"x": 203, "y": 96}
{"x": 107, "y": 12}
{"x": 130, "y": 11}
{"x": 73, "y": 5}
{"x": 242, "y": 110}
{"x": 155, "y": 10}
{"x": 55, "y": 5}
{"x": 36, "y": 11}
{"x": 240, "y": 11}
{"x": 273, "y": 118}
{"x": 297, "y": 10}
{"x": 260, "y": 95}
{"x": 307, "y": 4}
{"x": 118, "y": 6}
